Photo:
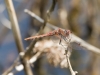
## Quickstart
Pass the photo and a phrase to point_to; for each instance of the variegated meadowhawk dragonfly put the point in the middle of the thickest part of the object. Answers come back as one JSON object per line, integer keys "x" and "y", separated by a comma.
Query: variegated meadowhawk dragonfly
{"x": 63, "y": 34}
{"x": 59, "y": 32}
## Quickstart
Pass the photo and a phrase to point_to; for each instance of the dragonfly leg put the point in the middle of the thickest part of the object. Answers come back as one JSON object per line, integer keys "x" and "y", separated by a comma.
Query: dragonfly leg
{"x": 61, "y": 43}
{"x": 66, "y": 39}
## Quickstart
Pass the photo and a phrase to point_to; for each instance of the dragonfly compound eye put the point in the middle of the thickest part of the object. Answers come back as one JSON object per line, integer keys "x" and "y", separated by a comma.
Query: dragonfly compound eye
{"x": 67, "y": 32}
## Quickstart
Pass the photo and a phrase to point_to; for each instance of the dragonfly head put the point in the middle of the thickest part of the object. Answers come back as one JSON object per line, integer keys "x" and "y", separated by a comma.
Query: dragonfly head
{"x": 67, "y": 32}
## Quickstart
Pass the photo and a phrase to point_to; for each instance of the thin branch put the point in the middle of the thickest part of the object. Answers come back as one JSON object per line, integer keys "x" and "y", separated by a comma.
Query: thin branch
{"x": 49, "y": 11}
{"x": 35, "y": 57}
{"x": 31, "y": 46}
{"x": 76, "y": 39}
{"x": 16, "y": 64}
{"x": 70, "y": 67}
{"x": 51, "y": 8}
{"x": 85, "y": 45}
{"x": 5, "y": 21}
{"x": 17, "y": 36}
{"x": 69, "y": 64}
{"x": 10, "y": 68}
{"x": 3, "y": 34}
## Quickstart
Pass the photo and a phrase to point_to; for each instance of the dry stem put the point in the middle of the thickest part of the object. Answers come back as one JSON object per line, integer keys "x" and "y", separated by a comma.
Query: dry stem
{"x": 76, "y": 39}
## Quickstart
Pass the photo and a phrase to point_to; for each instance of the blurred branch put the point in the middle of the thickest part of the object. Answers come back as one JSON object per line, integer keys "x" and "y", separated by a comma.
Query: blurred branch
{"x": 31, "y": 46}
{"x": 3, "y": 34}
{"x": 10, "y": 68}
{"x": 16, "y": 63}
{"x": 49, "y": 11}
{"x": 85, "y": 45}
{"x": 39, "y": 19}
{"x": 76, "y": 39}
{"x": 70, "y": 67}
{"x": 51, "y": 8}
{"x": 5, "y": 21}
{"x": 69, "y": 64}
{"x": 17, "y": 36}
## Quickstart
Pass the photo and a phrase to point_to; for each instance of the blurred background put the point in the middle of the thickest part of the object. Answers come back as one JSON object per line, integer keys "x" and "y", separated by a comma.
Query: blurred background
{"x": 82, "y": 17}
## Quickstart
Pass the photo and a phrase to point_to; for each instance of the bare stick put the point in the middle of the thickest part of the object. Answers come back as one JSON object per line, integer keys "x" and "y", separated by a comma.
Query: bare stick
{"x": 17, "y": 36}
{"x": 76, "y": 39}
{"x": 16, "y": 62}
{"x": 70, "y": 67}
{"x": 33, "y": 43}
{"x": 49, "y": 11}
{"x": 69, "y": 64}
{"x": 82, "y": 43}
{"x": 8, "y": 70}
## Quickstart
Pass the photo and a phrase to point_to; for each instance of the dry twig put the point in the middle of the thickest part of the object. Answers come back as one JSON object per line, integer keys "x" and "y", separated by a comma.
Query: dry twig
{"x": 70, "y": 67}
{"x": 76, "y": 39}
{"x": 31, "y": 46}
{"x": 17, "y": 36}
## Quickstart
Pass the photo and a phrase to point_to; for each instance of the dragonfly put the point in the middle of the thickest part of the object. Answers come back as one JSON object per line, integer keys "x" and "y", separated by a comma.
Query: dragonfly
{"x": 61, "y": 33}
